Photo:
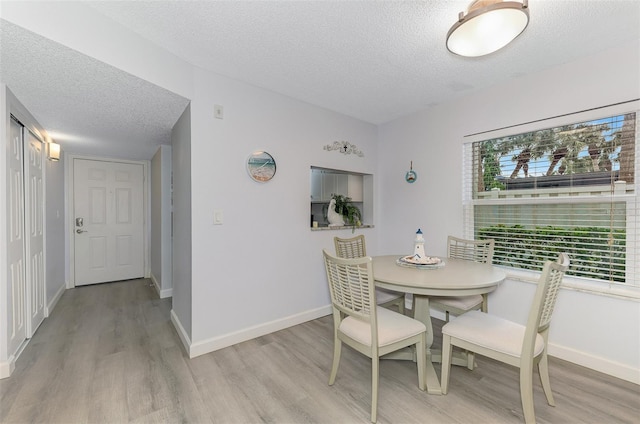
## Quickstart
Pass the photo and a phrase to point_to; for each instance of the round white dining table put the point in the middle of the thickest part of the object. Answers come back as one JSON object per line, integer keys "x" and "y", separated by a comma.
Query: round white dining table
{"x": 456, "y": 277}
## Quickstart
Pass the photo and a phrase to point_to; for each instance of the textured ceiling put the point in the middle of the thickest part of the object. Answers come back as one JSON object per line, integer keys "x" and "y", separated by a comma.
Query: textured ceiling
{"x": 372, "y": 60}
{"x": 91, "y": 107}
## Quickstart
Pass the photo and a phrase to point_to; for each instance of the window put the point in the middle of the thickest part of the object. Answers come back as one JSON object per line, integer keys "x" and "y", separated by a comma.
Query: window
{"x": 568, "y": 188}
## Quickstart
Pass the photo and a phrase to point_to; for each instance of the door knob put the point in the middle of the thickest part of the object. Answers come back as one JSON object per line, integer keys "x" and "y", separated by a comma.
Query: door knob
{"x": 79, "y": 231}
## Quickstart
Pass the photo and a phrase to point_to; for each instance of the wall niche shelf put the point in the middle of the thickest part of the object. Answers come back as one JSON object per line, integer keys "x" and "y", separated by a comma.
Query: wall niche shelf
{"x": 324, "y": 182}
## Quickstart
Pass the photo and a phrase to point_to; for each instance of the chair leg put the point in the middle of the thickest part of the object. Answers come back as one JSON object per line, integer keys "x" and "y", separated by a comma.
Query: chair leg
{"x": 471, "y": 360}
{"x": 401, "y": 305}
{"x": 337, "y": 348}
{"x": 446, "y": 363}
{"x": 526, "y": 392}
{"x": 422, "y": 362}
{"x": 375, "y": 373}
{"x": 543, "y": 370}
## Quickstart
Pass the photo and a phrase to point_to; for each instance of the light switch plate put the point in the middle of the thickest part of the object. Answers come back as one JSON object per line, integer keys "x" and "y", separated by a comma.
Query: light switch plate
{"x": 218, "y": 111}
{"x": 218, "y": 217}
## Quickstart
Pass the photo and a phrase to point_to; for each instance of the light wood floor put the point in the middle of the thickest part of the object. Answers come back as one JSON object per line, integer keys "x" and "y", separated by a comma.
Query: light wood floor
{"x": 109, "y": 354}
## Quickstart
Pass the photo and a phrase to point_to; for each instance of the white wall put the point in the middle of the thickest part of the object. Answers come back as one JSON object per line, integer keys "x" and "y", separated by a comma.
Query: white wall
{"x": 55, "y": 275}
{"x": 262, "y": 268}
{"x": 160, "y": 246}
{"x": 593, "y": 330}
{"x": 181, "y": 242}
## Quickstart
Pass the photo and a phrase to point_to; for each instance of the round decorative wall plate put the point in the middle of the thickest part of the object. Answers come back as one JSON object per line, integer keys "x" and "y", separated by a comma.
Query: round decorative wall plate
{"x": 411, "y": 176}
{"x": 261, "y": 166}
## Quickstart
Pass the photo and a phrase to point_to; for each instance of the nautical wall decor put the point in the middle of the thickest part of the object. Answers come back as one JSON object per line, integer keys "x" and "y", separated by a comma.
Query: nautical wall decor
{"x": 344, "y": 147}
{"x": 261, "y": 166}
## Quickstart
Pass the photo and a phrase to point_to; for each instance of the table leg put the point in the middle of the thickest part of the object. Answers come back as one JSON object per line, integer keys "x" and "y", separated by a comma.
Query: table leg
{"x": 422, "y": 314}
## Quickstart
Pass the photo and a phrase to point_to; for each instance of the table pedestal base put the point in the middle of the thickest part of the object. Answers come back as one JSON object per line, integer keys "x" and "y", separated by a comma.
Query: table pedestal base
{"x": 421, "y": 308}
{"x": 409, "y": 354}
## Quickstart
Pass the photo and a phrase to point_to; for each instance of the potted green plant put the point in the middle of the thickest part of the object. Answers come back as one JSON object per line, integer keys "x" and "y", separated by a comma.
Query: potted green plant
{"x": 350, "y": 212}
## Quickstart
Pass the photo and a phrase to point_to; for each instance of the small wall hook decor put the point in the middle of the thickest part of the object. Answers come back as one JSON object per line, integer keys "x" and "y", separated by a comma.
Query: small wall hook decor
{"x": 411, "y": 175}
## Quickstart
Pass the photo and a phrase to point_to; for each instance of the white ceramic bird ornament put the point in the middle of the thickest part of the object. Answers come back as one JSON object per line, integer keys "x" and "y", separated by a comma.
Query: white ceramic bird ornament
{"x": 335, "y": 219}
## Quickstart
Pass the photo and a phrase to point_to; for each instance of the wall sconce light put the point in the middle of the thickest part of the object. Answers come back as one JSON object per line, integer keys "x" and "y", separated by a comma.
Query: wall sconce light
{"x": 54, "y": 152}
{"x": 488, "y": 26}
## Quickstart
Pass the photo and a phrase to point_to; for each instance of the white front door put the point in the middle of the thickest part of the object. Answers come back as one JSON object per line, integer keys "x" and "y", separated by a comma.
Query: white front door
{"x": 16, "y": 279}
{"x": 35, "y": 227}
{"x": 108, "y": 221}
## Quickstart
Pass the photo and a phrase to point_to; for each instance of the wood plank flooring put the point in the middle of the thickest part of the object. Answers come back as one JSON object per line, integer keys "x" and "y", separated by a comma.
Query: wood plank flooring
{"x": 109, "y": 354}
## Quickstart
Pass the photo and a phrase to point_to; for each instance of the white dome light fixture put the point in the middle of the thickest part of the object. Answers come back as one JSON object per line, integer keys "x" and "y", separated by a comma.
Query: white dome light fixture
{"x": 488, "y": 26}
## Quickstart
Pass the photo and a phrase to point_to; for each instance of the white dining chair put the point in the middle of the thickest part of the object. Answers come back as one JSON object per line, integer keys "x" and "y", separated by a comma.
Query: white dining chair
{"x": 470, "y": 250}
{"x": 356, "y": 247}
{"x": 366, "y": 327}
{"x": 510, "y": 342}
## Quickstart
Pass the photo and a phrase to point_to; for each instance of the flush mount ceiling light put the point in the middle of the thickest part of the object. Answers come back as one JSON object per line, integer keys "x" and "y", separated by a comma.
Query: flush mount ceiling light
{"x": 489, "y": 25}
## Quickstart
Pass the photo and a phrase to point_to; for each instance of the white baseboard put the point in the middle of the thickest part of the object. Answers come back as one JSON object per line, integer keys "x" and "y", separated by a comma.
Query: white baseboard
{"x": 155, "y": 283}
{"x": 226, "y": 340}
{"x": 182, "y": 333}
{"x": 603, "y": 365}
{"x": 7, "y": 367}
{"x": 54, "y": 301}
{"x": 597, "y": 363}
{"x": 161, "y": 293}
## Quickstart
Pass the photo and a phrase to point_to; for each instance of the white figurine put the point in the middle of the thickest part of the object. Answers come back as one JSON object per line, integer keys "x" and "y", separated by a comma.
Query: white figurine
{"x": 418, "y": 250}
{"x": 335, "y": 219}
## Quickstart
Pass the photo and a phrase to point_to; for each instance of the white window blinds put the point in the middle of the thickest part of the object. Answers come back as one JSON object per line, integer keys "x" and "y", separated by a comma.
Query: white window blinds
{"x": 570, "y": 188}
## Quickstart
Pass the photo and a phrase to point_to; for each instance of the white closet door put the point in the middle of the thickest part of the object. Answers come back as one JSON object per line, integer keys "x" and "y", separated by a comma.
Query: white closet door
{"x": 34, "y": 171}
{"x": 16, "y": 279}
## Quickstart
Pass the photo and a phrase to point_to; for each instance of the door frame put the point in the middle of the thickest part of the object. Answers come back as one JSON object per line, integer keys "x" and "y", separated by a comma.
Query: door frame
{"x": 70, "y": 239}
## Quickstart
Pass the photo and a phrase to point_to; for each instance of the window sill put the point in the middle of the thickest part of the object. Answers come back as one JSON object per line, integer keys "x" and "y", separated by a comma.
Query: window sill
{"x": 627, "y": 292}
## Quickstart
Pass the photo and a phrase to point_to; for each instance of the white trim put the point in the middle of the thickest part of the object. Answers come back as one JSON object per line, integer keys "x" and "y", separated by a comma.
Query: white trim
{"x": 155, "y": 282}
{"x": 184, "y": 337}
{"x": 70, "y": 241}
{"x": 615, "y": 369}
{"x": 54, "y": 301}
{"x": 161, "y": 293}
{"x": 7, "y": 367}
{"x": 620, "y": 291}
{"x": 566, "y": 119}
{"x": 146, "y": 211}
{"x": 226, "y": 340}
